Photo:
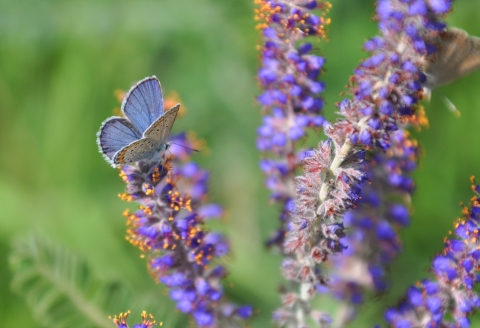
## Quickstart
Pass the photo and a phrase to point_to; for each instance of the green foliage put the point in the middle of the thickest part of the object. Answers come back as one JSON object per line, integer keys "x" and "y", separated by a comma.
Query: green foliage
{"x": 61, "y": 290}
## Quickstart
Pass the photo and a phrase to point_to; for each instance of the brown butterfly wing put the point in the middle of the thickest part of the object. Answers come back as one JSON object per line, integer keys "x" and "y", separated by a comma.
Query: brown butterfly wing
{"x": 472, "y": 62}
{"x": 457, "y": 55}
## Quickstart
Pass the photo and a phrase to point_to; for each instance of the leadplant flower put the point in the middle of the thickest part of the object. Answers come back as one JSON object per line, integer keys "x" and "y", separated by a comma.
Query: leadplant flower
{"x": 447, "y": 298}
{"x": 169, "y": 228}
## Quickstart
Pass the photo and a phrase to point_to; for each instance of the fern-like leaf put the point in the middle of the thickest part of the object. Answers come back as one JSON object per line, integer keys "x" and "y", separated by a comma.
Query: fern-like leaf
{"x": 60, "y": 289}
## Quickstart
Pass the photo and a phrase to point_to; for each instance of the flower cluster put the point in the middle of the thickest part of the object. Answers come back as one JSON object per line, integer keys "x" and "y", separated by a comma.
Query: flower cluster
{"x": 385, "y": 90}
{"x": 289, "y": 77}
{"x": 168, "y": 228}
{"x": 448, "y": 298}
{"x": 121, "y": 320}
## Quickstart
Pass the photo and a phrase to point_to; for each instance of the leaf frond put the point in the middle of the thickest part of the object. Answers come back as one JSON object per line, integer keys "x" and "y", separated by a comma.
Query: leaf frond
{"x": 60, "y": 288}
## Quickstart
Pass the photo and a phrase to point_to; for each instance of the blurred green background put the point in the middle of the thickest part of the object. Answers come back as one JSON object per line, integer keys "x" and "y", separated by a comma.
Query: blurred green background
{"x": 60, "y": 62}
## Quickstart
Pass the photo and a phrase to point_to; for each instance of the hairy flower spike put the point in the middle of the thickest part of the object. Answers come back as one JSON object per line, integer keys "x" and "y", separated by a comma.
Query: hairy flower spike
{"x": 292, "y": 104}
{"x": 373, "y": 241}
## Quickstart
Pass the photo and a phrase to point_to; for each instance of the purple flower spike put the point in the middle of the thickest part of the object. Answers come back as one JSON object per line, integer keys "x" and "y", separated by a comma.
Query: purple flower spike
{"x": 291, "y": 96}
{"x": 449, "y": 298}
{"x": 168, "y": 228}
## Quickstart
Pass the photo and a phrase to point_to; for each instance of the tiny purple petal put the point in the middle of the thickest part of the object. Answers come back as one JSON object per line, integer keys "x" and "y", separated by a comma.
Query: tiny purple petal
{"x": 245, "y": 312}
{"x": 210, "y": 211}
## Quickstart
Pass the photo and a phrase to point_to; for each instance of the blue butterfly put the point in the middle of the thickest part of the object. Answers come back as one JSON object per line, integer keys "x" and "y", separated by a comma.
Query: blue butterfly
{"x": 143, "y": 132}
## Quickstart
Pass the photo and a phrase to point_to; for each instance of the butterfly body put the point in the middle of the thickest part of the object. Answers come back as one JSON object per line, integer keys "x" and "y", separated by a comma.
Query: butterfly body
{"x": 142, "y": 134}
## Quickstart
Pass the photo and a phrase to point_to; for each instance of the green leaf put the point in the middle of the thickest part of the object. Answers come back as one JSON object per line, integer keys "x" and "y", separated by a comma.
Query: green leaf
{"x": 60, "y": 289}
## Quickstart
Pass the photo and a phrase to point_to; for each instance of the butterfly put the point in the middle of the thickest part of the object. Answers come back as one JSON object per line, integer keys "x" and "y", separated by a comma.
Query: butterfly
{"x": 142, "y": 134}
{"x": 457, "y": 55}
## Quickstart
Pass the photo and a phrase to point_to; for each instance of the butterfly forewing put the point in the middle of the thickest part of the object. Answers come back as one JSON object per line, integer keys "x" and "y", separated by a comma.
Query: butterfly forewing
{"x": 144, "y": 103}
{"x": 161, "y": 128}
{"x": 116, "y": 133}
{"x": 472, "y": 62}
{"x": 136, "y": 151}
{"x": 457, "y": 55}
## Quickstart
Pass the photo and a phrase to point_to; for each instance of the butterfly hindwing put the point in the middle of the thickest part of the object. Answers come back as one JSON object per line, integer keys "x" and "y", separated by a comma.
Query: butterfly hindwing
{"x": 136, "y": 151}
{"x": 160, "y": 129}
{"x": 114, "y": 134}
{"x": 143, "y": 104}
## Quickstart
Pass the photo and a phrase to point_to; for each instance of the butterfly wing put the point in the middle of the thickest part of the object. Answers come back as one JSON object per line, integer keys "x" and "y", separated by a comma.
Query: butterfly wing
{"x": 472, "y": 62}
{"x": 143, "y": 104}
{"x": 144, "y": 148}
{"x": 457, "y": 55}
{"x": 160, "y": 129}
{"x": 114, "y": 134}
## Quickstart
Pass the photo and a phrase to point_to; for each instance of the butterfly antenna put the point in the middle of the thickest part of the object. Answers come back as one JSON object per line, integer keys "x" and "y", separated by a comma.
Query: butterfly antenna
{"x": 185, "y": 147}
{"x": 449, "y": 104}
